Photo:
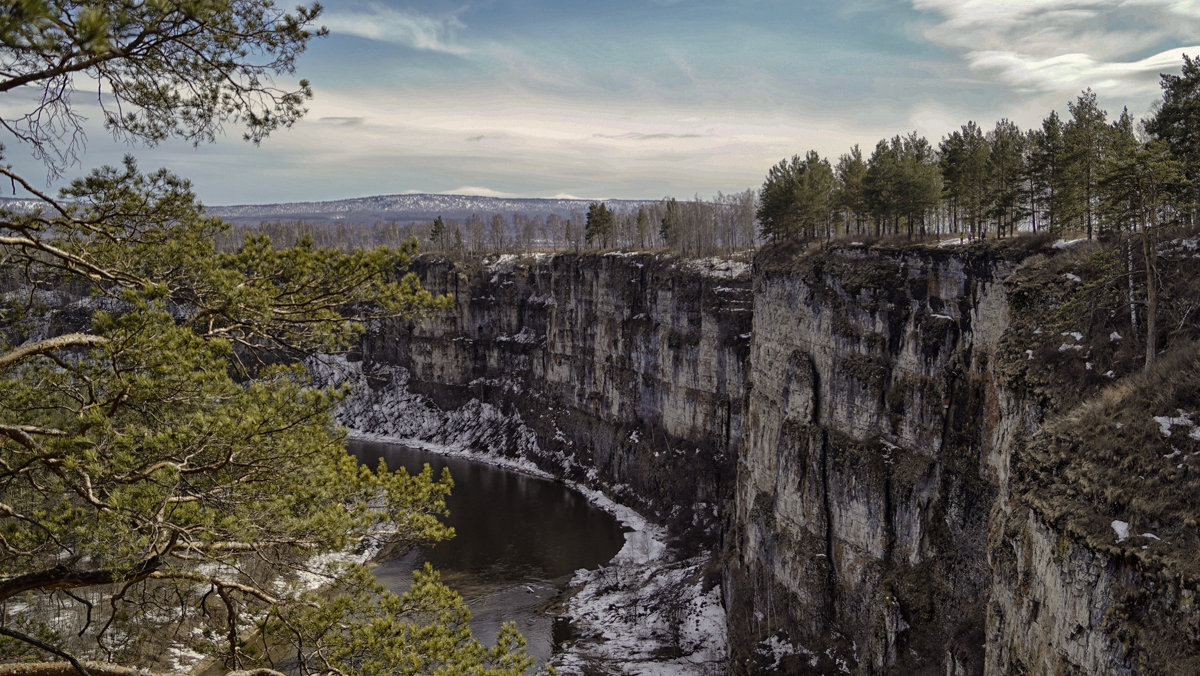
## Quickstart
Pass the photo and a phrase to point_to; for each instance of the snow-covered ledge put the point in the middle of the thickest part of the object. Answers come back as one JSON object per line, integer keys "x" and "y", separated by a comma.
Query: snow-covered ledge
{"x": 646, "y": 603}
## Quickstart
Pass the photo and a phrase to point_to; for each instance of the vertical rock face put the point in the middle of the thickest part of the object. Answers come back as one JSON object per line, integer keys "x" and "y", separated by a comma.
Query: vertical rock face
{"x": 628, "y": 369}
{"x": 1093, "y": 551}
{"x": 874, "y": 434}
{"x": 1050, "y": 599}
{"x": 1066, "y": 601}
{"x": 861, "y": 430}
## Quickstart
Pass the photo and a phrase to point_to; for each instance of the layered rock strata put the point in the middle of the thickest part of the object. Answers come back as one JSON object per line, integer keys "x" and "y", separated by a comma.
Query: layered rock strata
{"x": 874, "y": 444}
{"x": 622, "y": 371}
{"x": 856, "y": 428}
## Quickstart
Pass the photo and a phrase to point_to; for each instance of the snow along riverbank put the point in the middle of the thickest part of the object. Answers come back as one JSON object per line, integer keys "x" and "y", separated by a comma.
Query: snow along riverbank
{"x": 647, "y": 611}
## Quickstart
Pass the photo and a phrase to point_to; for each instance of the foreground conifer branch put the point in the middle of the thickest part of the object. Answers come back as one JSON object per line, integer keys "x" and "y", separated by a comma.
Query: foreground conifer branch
{"x": 168, "y": 476}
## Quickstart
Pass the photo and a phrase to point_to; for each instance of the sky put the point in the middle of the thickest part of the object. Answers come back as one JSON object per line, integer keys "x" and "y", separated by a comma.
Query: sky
{"x": 643, "y": 99}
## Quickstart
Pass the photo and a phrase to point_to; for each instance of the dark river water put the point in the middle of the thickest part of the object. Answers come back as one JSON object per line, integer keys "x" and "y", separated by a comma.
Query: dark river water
{"x": 519, "y": 539}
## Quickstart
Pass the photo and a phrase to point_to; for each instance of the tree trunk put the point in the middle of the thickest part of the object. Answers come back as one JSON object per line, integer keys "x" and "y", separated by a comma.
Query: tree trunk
{"x": 1032, "y": 205}
{"x": 1151, "y": 297}
{"x": 1133, "y": 318}
{"x": 1088, "y": 198}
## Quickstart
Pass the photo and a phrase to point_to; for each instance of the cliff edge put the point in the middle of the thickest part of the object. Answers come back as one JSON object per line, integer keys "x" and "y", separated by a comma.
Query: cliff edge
{"x": 909, "y": 459}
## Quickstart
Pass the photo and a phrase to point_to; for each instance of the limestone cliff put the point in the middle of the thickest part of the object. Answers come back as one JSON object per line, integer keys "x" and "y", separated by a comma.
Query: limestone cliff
{"x": 1093, "y": 549}
{"x": 627, "y": 370}
{"x": 874, "y": 443}
{"x": 906, "y": 455}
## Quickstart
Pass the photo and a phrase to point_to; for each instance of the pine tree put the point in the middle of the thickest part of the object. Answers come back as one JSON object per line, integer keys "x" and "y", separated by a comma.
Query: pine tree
{"x": 919, "y": 180}
{"x": 963, "y": 159}
{"x": 670, "y": 228}
{"x": 437, "y": 233}
{"x": 1006, "y": 171}
{"x": 797, "y": 198}
{"x": 1085, "y": 141}
{"x": 777, "y": 215}
{"x": 599, "y": 224}
{"x": 1139, "y": 185}
{"x": 1177, "y": 122}
{"x": 882, "y": 185}
{"x": 1047, "y": 155}
{"x": 169, "y": 452}
{"x": 850, "y": 193}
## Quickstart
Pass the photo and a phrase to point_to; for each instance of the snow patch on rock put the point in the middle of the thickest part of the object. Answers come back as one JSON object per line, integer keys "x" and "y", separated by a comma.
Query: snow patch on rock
{"x": 719, "y": 268}
{"x": 1122, "y": 530}
{"x": 645, "y": 603}
{"x": 1064, "y": 243}
{"x": 1183, "y": 419}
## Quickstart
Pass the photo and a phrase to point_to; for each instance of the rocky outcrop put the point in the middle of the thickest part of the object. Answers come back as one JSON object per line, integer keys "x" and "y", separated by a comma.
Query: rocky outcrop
{"x": 625, "y": 371}
{"x": 1093, "y": 551}
{"x": 885, "y": 443}
{"x": 874, "y": 444}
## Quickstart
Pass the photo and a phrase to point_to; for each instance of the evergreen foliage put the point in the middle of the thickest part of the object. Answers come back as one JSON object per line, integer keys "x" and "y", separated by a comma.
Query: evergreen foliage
{"x": 599, "y": 225}
{"x": 166, "y": 467}
{"x": 1000, "y": 181}
{"x": 437, "y": 233}
{"x": 851, "y": 174}
{"x": 1177, "y": 123}
{"x": 165, "y": 68}
{"x": 670, "y": 227}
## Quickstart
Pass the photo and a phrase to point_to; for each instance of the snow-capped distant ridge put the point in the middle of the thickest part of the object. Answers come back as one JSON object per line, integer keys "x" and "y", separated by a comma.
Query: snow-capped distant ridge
{"x": 403, "y": 208}
{"x": 409, "y": 207}
{"x": 21, "y": 204}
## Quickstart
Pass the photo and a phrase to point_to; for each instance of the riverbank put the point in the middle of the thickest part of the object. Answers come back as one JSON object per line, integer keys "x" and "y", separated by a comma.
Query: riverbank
{"x": 649, "y": 607}
{"x": 652, "y": 608}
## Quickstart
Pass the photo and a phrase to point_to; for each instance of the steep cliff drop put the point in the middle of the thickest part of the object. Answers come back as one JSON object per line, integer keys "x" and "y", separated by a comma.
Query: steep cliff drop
{"x": 870, "y": 462}
{"x": 1093, "y": 546}
{"x": 880, "y": 459}
{"x": 619, "y": 373}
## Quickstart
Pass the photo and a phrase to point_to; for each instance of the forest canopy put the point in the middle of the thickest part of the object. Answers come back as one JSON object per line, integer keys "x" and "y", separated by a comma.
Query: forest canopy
{"x": 1060, "y": 177}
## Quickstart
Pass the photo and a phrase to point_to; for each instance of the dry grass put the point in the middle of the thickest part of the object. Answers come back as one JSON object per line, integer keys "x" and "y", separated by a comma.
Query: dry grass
{"x": 1108, "y": 460}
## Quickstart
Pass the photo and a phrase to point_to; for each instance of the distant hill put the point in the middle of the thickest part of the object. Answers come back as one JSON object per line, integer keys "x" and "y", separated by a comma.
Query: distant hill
{"x": 401, "y": 208}
{"x": 20, "y": 204}
{"x": 409, "y": 208}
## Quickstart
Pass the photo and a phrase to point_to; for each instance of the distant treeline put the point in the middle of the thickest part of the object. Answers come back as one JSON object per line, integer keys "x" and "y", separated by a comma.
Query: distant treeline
{"x": 1084, "y": 174}
{"x": 341, "y": 235}
{"x": 698, "y": 227}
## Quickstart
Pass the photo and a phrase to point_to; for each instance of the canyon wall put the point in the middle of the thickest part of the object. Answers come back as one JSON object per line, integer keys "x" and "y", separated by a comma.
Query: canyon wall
{"x": 1093, "y": 546}
{"x": 859, "y": 431}
{"x": 621, "y": 371}
{"x": 875, "y": 441}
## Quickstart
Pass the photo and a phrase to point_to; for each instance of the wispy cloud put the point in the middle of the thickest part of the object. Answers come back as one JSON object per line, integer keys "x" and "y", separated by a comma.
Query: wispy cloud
{"x": 342, "y": 121}
{"x": 1076, "y": 71}
{"x": 402, "y": 27}
{"x": 637, "y": 136}
{"x": 631, "y": 100}
{"x": 547, "y": 146}
{"x": 1041, "y": 46}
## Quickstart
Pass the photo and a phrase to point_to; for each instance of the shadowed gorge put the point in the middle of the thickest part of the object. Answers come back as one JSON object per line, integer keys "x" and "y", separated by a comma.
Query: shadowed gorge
{"x": 850, "y": 435}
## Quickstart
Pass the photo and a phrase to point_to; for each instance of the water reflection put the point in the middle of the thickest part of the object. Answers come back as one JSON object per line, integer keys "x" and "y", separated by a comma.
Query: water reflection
{"x": 519, "y": 539}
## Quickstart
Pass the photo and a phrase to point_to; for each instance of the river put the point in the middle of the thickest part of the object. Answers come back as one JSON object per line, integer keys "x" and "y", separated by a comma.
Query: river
{"x": 519, "y": 540}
